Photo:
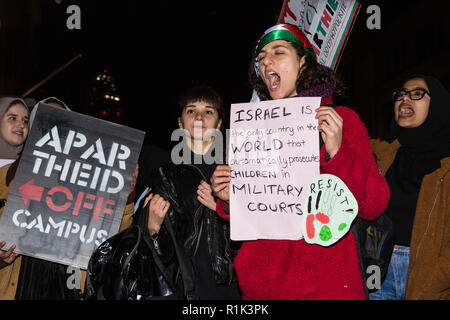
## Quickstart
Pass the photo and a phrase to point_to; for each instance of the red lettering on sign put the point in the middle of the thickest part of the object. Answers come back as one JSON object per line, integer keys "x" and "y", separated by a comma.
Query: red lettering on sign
{"x": 289, "y": 12}
{"x": 326, "y": 19}
{"x": 55, "y": 207}
{"x": 110, "y": 203}
{"x": 78, "y": 202}
{"x": 88, "y": 205}
{"x": 29, "y": 191}
{"x": 98, "y": 207}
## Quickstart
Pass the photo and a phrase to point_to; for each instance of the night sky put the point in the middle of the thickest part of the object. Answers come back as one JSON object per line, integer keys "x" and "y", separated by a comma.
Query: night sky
{"x": 156, "y": 49}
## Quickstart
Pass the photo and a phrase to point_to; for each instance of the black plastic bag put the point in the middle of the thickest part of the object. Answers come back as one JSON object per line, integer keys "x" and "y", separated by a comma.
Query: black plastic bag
{"x": 126, "y": 267}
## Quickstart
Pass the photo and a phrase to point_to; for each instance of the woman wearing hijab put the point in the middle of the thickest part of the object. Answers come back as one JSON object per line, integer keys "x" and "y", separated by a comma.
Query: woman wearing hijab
{"x": 286, "y": 66}
{"x": 13, "y": 128}
{"x": 53, "y": 101}
{"x": 415, "y": 158}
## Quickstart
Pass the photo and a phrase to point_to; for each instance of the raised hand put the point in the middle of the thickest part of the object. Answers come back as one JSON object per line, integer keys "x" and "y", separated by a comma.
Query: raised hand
{"x": 7, "y": 256}
{"x": 330, "y": 127}
{"x": 157, "y": 211}
{"x": 220, "y": 182}
{"x": 204, "y": 195}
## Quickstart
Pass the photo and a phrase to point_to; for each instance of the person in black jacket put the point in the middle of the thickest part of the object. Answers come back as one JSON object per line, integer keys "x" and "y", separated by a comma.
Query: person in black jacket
{"x": 181, "y": 193}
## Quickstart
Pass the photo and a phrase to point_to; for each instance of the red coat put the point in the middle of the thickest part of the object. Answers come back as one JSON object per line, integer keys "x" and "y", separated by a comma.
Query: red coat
{"x": 287, "y": 269}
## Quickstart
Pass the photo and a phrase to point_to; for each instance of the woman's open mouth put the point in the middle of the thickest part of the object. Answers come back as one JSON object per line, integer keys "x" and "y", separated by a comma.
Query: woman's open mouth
{"x": 405, "y": 111}
{"x": 273, "y": 80}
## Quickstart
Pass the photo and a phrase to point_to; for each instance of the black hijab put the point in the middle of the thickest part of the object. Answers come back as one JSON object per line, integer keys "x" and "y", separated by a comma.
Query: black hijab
{"x": 428, "y": 143}
{"x": 421, "y": 151}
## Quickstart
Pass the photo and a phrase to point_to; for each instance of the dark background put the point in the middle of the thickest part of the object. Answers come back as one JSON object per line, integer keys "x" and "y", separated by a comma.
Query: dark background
{"x": 152, "y": 50}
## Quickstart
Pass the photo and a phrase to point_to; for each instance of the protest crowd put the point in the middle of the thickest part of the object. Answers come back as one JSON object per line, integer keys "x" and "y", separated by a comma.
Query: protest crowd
{"x": 163, "y": 225}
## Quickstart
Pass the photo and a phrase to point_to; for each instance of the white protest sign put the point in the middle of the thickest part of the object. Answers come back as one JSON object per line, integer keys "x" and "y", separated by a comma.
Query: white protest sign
{"x": 330, "y": 210}
{"x": 274, "y": 155}
{"x": 326, "y": 24}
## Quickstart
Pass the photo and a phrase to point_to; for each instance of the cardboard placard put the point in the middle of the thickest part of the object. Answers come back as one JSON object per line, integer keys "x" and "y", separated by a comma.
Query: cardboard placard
{"x": 71, "y": 186}
{"x": 274, "y": 154}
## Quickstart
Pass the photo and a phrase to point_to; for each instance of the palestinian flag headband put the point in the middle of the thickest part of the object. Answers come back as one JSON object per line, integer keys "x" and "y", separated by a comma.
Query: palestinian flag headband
{"x": 286, "y": 32}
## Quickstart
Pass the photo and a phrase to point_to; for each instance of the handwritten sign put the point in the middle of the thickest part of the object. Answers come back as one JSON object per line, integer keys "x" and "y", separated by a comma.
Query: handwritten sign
{"x": 274, "y": 155}
{"x": 331, "y": 209}
{"x": 71, "y": 186}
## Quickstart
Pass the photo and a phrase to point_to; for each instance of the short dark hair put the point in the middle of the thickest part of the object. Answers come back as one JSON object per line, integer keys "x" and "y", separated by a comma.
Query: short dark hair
{"x": 201, "y": 93}
{"x": 312, "y": 74}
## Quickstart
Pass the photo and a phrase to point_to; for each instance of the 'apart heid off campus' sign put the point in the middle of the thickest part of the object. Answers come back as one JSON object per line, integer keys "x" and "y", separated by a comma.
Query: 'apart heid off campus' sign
{"x": 71, "y": 186}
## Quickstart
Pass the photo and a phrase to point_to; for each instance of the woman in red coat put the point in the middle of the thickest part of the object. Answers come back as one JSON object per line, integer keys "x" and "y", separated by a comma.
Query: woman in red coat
{"x": 286, "y": 66}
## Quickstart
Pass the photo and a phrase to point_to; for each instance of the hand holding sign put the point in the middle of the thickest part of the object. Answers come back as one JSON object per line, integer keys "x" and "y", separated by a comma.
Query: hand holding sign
{"x": 220, "y": 182}
{"x": 8, "y": 256}
{"x": 330, "y": 128}
{"x": 204, "y": 195}
{"x": 331, "y": 209}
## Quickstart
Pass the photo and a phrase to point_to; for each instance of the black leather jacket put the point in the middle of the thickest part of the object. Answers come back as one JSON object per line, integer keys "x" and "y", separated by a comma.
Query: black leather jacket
{"x": 189, "y": 218}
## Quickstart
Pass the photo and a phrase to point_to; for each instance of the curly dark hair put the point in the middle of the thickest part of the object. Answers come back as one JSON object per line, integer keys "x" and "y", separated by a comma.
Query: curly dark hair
{"x": 311, "y": 74}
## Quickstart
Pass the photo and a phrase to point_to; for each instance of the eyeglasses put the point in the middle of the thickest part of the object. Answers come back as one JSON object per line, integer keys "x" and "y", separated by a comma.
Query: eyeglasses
{"x": 414, "y": 94}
